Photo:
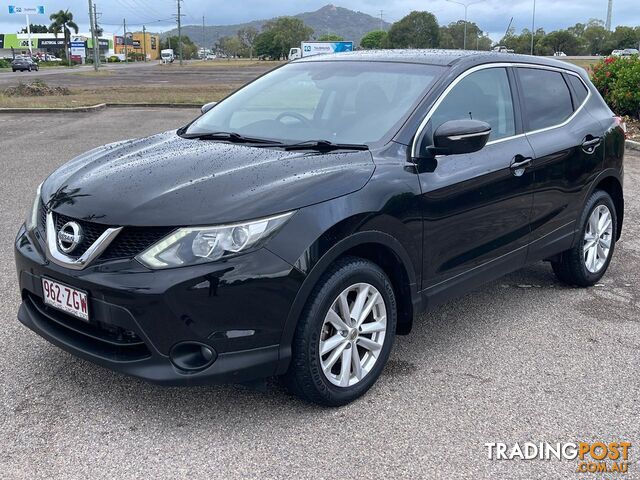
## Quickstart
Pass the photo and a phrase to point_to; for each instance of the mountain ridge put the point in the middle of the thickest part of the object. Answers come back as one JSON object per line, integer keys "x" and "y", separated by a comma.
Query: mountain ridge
{"x": 350, "y": 24}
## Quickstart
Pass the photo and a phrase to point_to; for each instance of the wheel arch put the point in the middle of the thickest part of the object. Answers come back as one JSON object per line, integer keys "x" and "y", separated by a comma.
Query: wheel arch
{"x": 378, "y": 247}
{"x": 612, "y": 184}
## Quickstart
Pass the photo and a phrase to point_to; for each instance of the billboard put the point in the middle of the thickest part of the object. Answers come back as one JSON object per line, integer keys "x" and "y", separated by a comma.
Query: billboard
{"x": 1, "y": 40}
{"x": 53, "y": 43}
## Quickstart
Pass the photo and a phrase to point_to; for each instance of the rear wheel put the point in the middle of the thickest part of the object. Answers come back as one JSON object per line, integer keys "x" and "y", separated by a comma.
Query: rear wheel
{"x": 344, "y": 335}
{"x": 586, "y": 263}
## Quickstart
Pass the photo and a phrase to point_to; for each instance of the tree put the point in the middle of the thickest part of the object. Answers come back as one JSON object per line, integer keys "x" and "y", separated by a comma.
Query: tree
{"x": 62, "y": 22}
{"x": 624, "y": 37}
{"x": 247, "y": 37}
{"x": 562, "y": 41}
{"x": 189, "y": 49}
{"x": 35, "y": 29}
{"x": 595, "y": 37}
{"x": 452, "y": 36}
{"x": 521, "y": 43}
{"x": 229, "y": 46}
{"x": 374, "y": 39}
{"x": 330, "y": 37}
{"x": 416, "y": 30}
{"x": 280, "y": 35}
{"x": 265, "y": 45}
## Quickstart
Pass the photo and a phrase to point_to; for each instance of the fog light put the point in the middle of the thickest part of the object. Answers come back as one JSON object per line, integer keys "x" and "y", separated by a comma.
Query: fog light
{"x": 192, "y": 356}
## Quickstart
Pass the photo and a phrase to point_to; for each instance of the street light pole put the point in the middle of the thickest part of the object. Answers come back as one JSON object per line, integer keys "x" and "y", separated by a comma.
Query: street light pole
{"x": 533, "y": 25}
{"x": 466, "y": 7}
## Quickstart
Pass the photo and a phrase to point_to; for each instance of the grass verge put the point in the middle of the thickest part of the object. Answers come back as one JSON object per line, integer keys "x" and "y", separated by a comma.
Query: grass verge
{"x": 81, "y": 97}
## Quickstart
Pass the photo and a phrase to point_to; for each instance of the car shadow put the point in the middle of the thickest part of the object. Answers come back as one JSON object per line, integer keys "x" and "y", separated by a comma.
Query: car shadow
{"x": 436, "y": 335}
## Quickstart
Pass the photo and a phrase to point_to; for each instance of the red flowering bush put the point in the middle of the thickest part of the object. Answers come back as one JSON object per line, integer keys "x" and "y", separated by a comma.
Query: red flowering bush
{"x": 618, "y": 81}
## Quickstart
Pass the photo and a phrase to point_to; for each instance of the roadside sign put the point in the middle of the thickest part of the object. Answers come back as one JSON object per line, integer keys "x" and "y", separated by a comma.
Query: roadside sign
{"x": 37, "y": 10}
{"x": 78, "y": 49}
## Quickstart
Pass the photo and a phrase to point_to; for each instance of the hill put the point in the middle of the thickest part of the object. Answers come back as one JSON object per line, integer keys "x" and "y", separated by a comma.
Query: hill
{"x": 336, "y": 20}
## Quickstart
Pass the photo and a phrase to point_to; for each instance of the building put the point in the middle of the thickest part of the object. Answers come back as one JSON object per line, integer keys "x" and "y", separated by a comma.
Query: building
{"x": 48, "y": 43}
{"x": 140, "y": 43}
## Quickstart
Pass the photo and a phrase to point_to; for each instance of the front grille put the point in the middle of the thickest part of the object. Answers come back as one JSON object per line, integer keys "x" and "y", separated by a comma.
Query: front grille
{"x": 91, "y": 231}
{"x": 104, "y": 340}
{"x": 131, "y": 241}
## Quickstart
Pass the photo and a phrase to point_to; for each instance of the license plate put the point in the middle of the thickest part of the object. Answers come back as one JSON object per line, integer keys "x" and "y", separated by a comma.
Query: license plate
{"x": 67, "y": 299}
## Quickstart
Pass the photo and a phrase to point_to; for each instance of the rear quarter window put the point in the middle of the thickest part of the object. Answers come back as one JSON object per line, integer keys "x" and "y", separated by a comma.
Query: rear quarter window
{"x": 579, "y": 89}
{"x": 547, "y": 100}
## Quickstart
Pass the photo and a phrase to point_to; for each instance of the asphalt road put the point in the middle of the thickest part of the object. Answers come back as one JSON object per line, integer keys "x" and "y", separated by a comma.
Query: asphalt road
{"x": 522, "y": 359}
{"x": 141, "y": 74}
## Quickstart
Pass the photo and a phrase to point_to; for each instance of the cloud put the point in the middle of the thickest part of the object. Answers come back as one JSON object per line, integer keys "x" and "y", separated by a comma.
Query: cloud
{"x": 492, "y": 16}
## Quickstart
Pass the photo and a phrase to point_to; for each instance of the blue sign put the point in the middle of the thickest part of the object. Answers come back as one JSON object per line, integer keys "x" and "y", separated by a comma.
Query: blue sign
{"x": 37, "y": 10}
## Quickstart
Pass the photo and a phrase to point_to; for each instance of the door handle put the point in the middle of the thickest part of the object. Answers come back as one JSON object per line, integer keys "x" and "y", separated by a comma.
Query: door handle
{"x": 590, "y": 143}
{"x": 519, "y": 164}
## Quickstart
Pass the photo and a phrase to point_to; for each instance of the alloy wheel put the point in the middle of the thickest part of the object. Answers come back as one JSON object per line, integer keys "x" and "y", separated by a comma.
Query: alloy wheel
{"x": 353, "y": 334}
{"x": 597, "y": 238}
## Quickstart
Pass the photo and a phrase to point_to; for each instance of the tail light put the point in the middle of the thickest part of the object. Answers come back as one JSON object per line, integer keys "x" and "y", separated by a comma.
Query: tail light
{"x": 622, "y": 124}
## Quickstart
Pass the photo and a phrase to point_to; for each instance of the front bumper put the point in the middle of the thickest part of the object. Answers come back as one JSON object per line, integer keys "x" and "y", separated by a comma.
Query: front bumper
{"x": 237, "y": 307}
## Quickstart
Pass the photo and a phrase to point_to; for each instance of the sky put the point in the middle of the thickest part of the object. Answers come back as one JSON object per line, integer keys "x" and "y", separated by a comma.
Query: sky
{"x": 492, "y": 16}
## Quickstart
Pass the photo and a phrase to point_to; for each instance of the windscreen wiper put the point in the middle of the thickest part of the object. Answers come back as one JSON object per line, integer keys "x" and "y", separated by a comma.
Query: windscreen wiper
{"x": 324, "y": 146}
{"x": 230, "y": 137}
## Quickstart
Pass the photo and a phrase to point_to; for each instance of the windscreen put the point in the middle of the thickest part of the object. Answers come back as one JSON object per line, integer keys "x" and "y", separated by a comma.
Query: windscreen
{"x": 342, "y": 102}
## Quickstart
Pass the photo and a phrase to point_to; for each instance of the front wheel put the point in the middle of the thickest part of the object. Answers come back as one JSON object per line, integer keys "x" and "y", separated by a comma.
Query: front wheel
{"x": 345, "y": 334}
{"x": 586, "y": 263}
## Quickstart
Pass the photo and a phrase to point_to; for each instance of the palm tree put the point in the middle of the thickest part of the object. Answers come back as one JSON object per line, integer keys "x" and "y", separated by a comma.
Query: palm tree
{"x": 63, "y": 22}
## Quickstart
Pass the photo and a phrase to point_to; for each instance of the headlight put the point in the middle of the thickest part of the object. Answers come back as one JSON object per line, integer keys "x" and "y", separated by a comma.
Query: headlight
{"x": 195, "y": 245}
{"x": 32, "y": 218}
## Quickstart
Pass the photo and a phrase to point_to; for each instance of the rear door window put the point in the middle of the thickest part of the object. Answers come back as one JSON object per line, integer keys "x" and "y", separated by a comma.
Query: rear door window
{"x": 547, "y": 100}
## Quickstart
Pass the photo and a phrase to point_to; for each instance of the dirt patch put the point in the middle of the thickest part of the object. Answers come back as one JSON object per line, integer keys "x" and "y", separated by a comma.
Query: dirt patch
{"x": 37, "y": 88}
{"x": 633, "y": 128}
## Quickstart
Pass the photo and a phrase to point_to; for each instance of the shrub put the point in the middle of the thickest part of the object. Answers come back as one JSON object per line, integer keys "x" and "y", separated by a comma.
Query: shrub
{"x": 5, "y": 63}
{"x": 113, "y": 59}
{"x": 618, "y": 79}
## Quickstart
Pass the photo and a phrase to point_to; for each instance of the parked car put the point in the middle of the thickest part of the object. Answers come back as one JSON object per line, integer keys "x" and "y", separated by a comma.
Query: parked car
{"x": 627, "y": 52}
{"x": 23, "y": 63}
{"x": 617, "y": 53}
{"x": 298, "y": 225}
{"x": 52, "y": 58}
{"x": 559, "y": 54}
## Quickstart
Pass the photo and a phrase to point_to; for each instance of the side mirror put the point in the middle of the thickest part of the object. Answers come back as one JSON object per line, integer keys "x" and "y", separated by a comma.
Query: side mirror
{"x": 460, "y": 136}
{"x": 207, "y": 106}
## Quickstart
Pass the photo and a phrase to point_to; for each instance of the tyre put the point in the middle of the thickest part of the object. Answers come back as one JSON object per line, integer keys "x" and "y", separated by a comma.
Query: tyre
{"x": 28, "y": 69}
{"x": 14, "y": 70}
{"x": 344, "y": 335}
{"x": 586, "y": 263}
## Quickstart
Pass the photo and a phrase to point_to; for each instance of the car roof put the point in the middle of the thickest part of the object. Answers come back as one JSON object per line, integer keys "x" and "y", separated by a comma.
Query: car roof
{"x": 439, "y": 57}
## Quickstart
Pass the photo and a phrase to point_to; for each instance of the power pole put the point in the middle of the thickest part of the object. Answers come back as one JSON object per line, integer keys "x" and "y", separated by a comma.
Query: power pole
{"x": 533, "y": 25}
{"x": 381, "y": 14}
{"x": 203, "y": 39}
{"x": 609, "y": 8}
{"x": 124, "y": 40}
{"x": 95, "y": 27}
{"x": 144, "y": 42}
{"x": 92, "y": 26}
{"x": 179, "y": 33}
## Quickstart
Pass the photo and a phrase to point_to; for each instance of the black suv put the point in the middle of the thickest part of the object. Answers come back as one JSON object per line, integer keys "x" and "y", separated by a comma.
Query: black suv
{"x": 301, "y": 223}
{"x": 24, "y": 63}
